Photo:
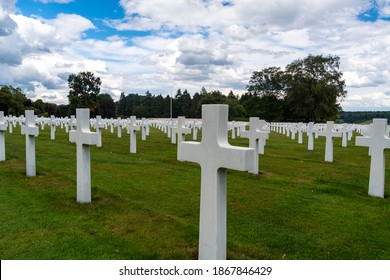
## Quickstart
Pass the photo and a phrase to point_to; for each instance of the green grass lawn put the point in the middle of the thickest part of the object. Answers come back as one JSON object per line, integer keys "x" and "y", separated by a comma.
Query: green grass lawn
{"x": 146, "y": 205}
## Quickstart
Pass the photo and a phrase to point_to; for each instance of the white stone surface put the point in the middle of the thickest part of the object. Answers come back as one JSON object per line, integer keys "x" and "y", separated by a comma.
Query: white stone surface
{"x": 310, "y": 136}
{"x": 10, "y": 129}
{"x": 214, "y": 154}
{"x": 377, "y": 142}
{"x": 329, "y": 133}
{"x": 144, "y": 126}
{"x": 119, "y": 126}
{"x": 132, "y": 128}
{"x": 263, "y": 127}
{"x": 52, "y": 127}
{"x": 31, "y": 131}
{"x": 180, "y": 130}
{"x": 99, "y": 128}
{"x": 254, "y": 135}
{"x": 3, "y": 128}
{"x": 300, "y": 133}
{"x": 344, "y": 131}
{"x": 83, "y": 138}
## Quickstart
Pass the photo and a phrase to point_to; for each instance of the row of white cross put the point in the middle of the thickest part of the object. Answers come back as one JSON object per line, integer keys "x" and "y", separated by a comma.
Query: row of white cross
{"x": 215, "y": 155}
{"x": 376, "y": 139}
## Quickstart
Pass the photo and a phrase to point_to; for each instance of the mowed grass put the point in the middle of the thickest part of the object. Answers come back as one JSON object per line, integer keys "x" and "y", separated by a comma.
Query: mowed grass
{"x": 146, "y": 205}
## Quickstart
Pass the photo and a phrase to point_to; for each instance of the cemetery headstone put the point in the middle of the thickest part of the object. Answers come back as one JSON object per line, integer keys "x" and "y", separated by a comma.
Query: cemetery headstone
{"x": 119, "y": 126}
{"x": 254, "y": 135}
{"x": 181, "y": 130}
{"x": 132, "y": 128}
{"x": 31, "y": 131}
{"x": 3, "y": 128}
{"x": 329, "y": 133}
{"x": 83, "y": 138}
{"x": 214, "y": 155}
{"x": 310, "y": 136}
{"x": 377, "y": 142}
{"x": 99, "y": 127}
{"x": 52, "y": 128}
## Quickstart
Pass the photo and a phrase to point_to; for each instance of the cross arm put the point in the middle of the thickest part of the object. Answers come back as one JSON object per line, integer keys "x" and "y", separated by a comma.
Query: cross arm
{"x": 363, "y": 141}
{"x": 237, "y": 158}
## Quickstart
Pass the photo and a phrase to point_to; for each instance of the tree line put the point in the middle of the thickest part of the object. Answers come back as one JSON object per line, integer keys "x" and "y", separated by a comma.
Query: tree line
{"x": 309, "y": 89}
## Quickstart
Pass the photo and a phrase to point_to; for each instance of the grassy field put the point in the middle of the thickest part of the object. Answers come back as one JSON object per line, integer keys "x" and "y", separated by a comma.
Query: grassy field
{"x": 146, "y": 205}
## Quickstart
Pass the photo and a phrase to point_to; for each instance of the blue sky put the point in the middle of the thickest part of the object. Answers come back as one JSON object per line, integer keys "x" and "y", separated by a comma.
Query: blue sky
{"x": 160, "y": 46}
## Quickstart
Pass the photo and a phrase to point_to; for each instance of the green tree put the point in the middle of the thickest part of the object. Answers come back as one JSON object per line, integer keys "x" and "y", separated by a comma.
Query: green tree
{"x": 62, "y": 111}
{"x": 106, "y": 106}
{"x": 39, "y": 106}
{"x": 314, "y": 87}
{"x": 140, "y": 111}
{"x": 266, "y": 90}
{"x": 157, "y": 107}
{"x": 127, "y": 104}
{"x": 13, "y": 101}
{"x": 195, "y": 105}
{"x": 269, "y": 81}
{"x": 84, "y": 88}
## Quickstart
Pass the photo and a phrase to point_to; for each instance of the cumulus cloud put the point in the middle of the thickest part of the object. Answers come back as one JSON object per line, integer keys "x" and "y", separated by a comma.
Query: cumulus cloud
{"x": 65, "y": 28}
{"x": 7, "y": 25}
{"x": 189, "y": 44}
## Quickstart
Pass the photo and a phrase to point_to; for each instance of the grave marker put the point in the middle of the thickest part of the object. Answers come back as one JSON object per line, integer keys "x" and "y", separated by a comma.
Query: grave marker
{"x": 3, "y": 128}
{"x": 377, "y": 142}
{"x": 132, "y": 128}
{"x": 143, "y": 129}
{"x": 214, "y": 154}
{"x": 254, "y": 135}
{"x": 9, "y": 124}
{"x": 119, "y": 126}
{"x": 310, "y": 138}
{"x": 99, "y": 127}
{"x": 31, "y": 131}
{"x": 83, "y": 138}
{"x": 180, "y": 130}
{"x": 329, "y": 133}
{"x": 300, "y": 132}
{"x": 52, "y": 128}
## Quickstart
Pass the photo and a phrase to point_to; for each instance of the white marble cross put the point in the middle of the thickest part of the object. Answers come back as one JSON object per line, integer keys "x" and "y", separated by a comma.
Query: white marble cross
{"x": 344, "y": 141}
{"x": 143, "y": 129}
{"x": 10, "y": 129}
{"x": 180, "y": 130}
{"x": 3, "y": 128}
{"x": 377, "y": 142}
{"x": 233, "y": 129}
{"x": 168, "y": 127}
{"x": 83, "y": 138}
{"x": 72, "y": 122}
{"x": 31, "y": 131}
{"x": 214, "y": 154}
{"x": 254, "y": 135}
{"x": 99, "y": 128}
{"x": 52, "y": 127}
{"x": 132, "y": 127}
{"x": 329, "y": 133}
{"x": 300, "y": 132}
{"x": 310, "y": 137}
{"x": 195, "y": 128}
{"x": 263, "y": 127}
{"x": 119, "y": 126}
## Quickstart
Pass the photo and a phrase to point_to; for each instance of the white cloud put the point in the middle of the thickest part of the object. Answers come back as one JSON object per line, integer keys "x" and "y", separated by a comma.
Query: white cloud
{"x": 194, "y": 43}
{"x": 64, "y": 29}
